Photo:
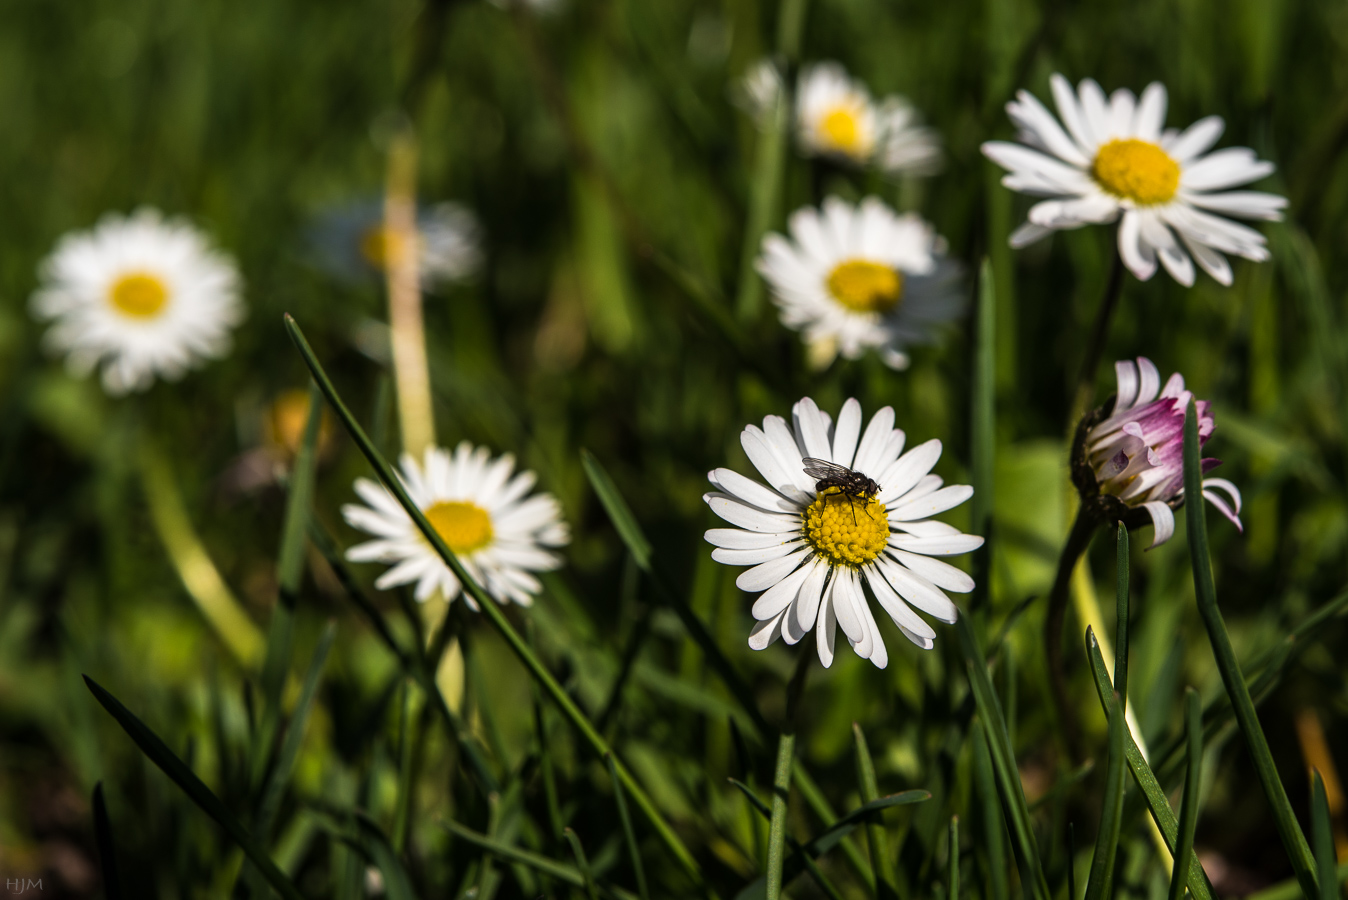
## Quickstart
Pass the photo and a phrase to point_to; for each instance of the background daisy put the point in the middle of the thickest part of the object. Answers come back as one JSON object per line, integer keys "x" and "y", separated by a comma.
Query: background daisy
{"x": 835, "y": 116}
{"x": 141, "y": 295}
{"x": 351, "y": 242}
{"x": 814, "y": 553}
{"x": 1114, "y": 162}
{"x": 485, "y": 515}
{"x": 858, "y": 278}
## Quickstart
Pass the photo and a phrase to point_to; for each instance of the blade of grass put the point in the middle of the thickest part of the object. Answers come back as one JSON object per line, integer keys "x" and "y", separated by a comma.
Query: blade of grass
{"x": 397, "y": 885}
{"x": 1005, "y": 772}
{"x": 983, "y": 431}
{"x": 875, "y": 831}
{"x": 328, "y": 548}
{"x": 994, "y": 838}
{"x": 1188, "y": 823}
{"x": 1291, "y": 890}
{"x": 632, "y": 848}
{"x": 952, "y": 882}
{"x": 1294, "y": 842}
{"x": 1161, "y": 812}
{"x": 815, "y": 799}
{"x": 159, "y": 754}
{"x": 582, "y": 863}
{"x": 559, "y": 871}
{"x": 107, "y": 854}
{"x": 763, "y": 810}
{"x": 1121, "y": 620}
{"x": 1322, "y": 834}
{"x": 1100, "y": 884}
{"x": 781, "y": 790}
{"x": 491, "y": 608}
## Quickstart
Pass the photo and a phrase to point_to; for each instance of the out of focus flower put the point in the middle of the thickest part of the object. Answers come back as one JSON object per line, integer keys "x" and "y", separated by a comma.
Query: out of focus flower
{"x": 1114, "y": 162}
{"x": 353, "y": 243}
{"x": 759, "y": 91}
{"x": 836, "y": 117}
{"x": 480, "y": 511}
{"x": 857, "y": 278}
{"x": 283, "y": 425}
{"x": 814, "y": 551}
{"x": 140, "y": 295}
{"x": 1135, "y": 456}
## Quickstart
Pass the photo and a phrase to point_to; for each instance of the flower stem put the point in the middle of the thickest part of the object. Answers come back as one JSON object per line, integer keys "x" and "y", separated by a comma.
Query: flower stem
{"x": 781, "y": 787}
{"x": 1096, "y": 345}
{"x": 1078, "y": 540}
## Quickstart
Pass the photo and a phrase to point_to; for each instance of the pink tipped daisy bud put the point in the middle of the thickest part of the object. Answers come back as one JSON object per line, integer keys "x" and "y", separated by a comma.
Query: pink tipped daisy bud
{"x": 1131, "y": 461}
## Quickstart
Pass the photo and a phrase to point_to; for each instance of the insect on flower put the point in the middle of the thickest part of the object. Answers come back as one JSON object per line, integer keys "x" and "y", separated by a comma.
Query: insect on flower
{"x": 850, "y": 484}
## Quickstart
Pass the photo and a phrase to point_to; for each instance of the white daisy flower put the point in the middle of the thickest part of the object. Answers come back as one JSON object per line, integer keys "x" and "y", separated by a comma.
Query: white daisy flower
{"x": 142, "y": 295}
{"x": 352, "y": 242}
{"x": 758, "y": 91}
{"x": 856, "y": 278}
{"x": 815, "y": 551}
{"x": 835, "y": 116}
{"x": 1114, "y": 162}
{"x": 480, "y": 511}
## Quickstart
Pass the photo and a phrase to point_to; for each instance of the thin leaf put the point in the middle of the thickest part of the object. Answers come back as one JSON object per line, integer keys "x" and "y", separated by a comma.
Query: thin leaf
{"x": 994, "y": 837}
{"x": 762, "y": 809}
{"x": 107, "y": 853}
{"x": 1188, "y": 823}
{"x": 559, "y": 871}
{"x": 1293, "y": 840}
{"x": 1101, "y": 881}
{"x": 619, "y": 513}
{"x": 582, "y": 862}
{"x": 491, "y": 609}
{"x": 815, "y": 799}
{"x": 875, "y": 831}
{"x": 181, "y": 775}
{"x": 952, "y": 881}
{"x": 1161, "y": 812}
{"x": 632, "y": 848}
{"x": 781, "y": 791}
{"x": 1322, "y": 834}
{"x": 983, "y": 430}
{"x": 1121, "y": 620}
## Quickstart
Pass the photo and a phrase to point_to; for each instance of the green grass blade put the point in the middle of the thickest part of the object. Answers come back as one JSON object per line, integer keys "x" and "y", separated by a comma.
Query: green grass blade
{"x": 397, "y": 885}
{"x": 1101, "y": 881}
{"x": 983, "y": 429}
{"x": 1188, "y": 823}
{"x": 159, "y": 754}
{"x": 952, "y": 880}
{"x": 1322, "y": 834}
{"x": 1161, "y": 812}
{"x": 1293, "y": 840}
{"x": 1121, "y": 620}
{"x": 1291, "y": 890}
{"x": 781, "y": 790}
{"x": 328, "y": 548}
{"x": 582, "y": 863}
{"x": 875, "y": 831}
{"x": 491, "y": 609}
{"x": 797, "y": 849}
{"x": 628, "y": 833}
{"x": 541, "y": 864}
{"x": 619, "y": 513}
{"x": 107, "y": 853}
{"x": 814, "y": 798}
{"x": 994, "y": 838}
{"x": 1005, "y": 773}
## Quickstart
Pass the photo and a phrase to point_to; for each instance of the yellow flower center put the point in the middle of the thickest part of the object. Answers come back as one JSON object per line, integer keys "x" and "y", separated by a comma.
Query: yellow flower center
{"x": 842, "y": 129}
{"x": 865, "y": 286}
{"x": 138, "y": 295}
{"x": 849, "y": 531}
{"x": 1136, "y": 170}
{"x": 380, "y": 244}
{"x": 465, "y": 527}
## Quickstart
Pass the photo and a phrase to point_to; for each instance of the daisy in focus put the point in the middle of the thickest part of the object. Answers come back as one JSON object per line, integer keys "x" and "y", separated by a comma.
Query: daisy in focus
{"x": 353, "y": 244}
{"x": 1114, "y": 162}
{"x": 142, "y": 296}
{"x": 482, "y": 511}
{"x": 1136, "y": 455}
{"x": 815, "y": 549}
{"x": 858, "y": 278}
{"x": 836, "y": 117}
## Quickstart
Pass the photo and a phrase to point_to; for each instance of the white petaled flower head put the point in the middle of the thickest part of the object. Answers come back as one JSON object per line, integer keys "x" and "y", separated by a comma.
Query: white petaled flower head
{"x": 143, "y": 296}
{"x": 1114, "y": 162}
{"x": 857, "y": 278}
{"x": 835, "y": 116}
{"x": 483, "y": 511}
{"x": 353, "y": 243}
{"x": 759, "y": 91}
{"x": 818, "y": 552}
{"x": 1136, "y": 455}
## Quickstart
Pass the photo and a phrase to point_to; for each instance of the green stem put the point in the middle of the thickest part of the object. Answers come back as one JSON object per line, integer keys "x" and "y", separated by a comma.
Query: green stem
{"x": 1188, "y": 822}
{"x": 781, "y": 788}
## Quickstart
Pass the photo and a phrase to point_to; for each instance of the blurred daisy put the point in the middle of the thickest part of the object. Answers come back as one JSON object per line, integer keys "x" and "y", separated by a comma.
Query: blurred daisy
{"x": 1137, "y": 454}
{"x": 758, "y": 91}
{"x": 814, "y": 552}
{"x": 478, "y": 509}
{"x": 1114, "y": 162}
{"x": 856, "y": 278}
{"x": 836, "y": 117}
{"x": 140, "y": 295}
{"x": 353, "y": 243}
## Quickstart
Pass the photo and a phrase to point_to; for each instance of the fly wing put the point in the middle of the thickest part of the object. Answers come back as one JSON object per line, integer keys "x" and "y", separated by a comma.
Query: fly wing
{"x": 822, "y": 469}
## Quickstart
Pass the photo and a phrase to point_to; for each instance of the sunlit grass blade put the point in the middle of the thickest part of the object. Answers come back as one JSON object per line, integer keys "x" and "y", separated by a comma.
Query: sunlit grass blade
{"x": 875, "y": 831}
{"x": 1101, "y": 881}
{"x": 952, "y": 878}
{"x": 1121, "y": 619}
{"x": 1188, "y": 823}
{"x": 107, "y": 851}
{"x": 397, "y": 884}
{"x": 159, "y": 754}
{"x": 633, "y": 850}
{"x": 1293, "y": 840}
{"x": 1004, "y": 769}
{"x": 1322, "y": 836}
{"x": 491, "y": 609}
{"x": 1156, "y": 799}
{"x": 619, "y": 513}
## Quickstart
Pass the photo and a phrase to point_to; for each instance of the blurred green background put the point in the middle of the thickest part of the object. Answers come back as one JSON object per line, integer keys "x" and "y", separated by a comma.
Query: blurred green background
{"x": 597, "y": 143}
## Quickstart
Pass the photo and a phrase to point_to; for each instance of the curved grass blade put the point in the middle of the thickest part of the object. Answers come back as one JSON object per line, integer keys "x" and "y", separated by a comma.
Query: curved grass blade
{"x": 1322, "y": 835}
{"x": 619, "y": 513}
{"x": 1188, "y": 823}
{"x": 491, "y": 609}
{"x": 1101, "y": 881}
{"x": 541, "y": 864}
{"x": 192, "y": 786}
{"x": 632, "y": 848}
{"x": 815, "y": 799}
{"x": 582, "y": 863}
{"x": 819, "y": 877}
{"x": 1293, "y": 840}
{"x": 875, "y": 831}
{"x": 1161, "y": 812}
{"x": 107, "y": 855}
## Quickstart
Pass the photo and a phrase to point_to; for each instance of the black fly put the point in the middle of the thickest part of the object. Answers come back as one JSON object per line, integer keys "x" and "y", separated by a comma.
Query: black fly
{"x": 851, "y": 484}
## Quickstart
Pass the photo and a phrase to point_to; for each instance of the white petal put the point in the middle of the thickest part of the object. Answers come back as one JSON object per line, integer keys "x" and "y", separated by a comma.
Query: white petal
{"x": 846, "y": 433}
{"x": 1225, "y": 168}
{"x": 779, "y": 596}
{"x": 1195, "y": 139}
{"x": 1137, "y": 256}
{"x": 878, "y": 655}
{"x": 845, "y": 601}
{"x": 932, "y": 504}
{"x": 826, "y": 626}
{"x": 765, "y": 633}
{"x": 751, "y": 492}
{"x": 735, "y": 539}
{"x": 737, "y": 513}
{"x": 1150, "y": 115}
{"x": 751, "y": 557}
{"x": 1029, "y": 113}
{"x": 1163, "y": 521}
{"x": 873, "y": 441}
{"x": 1027, "y": 234}
{"x": 806, "y": 608}
{"x": 952, "y": 545}
{"x": 908, "y": 470}
{"x": 1070, "y": 112}
{"x": 811, "y": 432}
{"x": 941, "y": 574}
{"x": 918, "y": 591}
{"x": 765, "y": 575}
{"x": 893, "y": 604}
{"x": 1125, "y": 376}
{"x": 759, "y": 449}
